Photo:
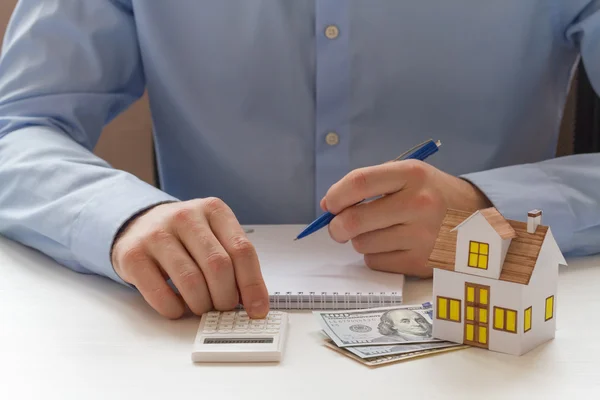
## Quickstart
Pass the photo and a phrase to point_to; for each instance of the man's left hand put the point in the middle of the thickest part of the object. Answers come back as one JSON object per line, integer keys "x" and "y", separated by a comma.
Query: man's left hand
{"x": 397, "y": 232}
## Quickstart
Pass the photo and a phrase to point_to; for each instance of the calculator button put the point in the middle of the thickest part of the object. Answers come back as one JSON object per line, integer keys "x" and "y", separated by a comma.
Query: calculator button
{"x": 228, "y": 314}
{"x": 209, "y": 331}
{"x": 243, "y": 314}
{"x": 272, "y": 331}
{"x": 272, "y": 326}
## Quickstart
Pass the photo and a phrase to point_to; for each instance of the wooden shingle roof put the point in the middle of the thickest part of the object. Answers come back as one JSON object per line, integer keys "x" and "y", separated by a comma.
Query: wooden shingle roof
{"x": 521, "y": 256}
{"x": 496, "y": 221}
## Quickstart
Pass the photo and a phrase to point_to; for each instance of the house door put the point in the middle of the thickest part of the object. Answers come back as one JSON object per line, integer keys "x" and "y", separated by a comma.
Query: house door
{"x": 477, "y": 305}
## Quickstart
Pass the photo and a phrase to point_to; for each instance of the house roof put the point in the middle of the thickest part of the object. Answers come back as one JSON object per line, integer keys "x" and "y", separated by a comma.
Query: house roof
{"x": 496, "y": 220}
{"x": 521, "y": 256}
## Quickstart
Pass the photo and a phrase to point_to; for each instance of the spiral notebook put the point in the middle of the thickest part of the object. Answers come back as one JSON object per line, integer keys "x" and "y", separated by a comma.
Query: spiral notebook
{"x": 318, "y": 273}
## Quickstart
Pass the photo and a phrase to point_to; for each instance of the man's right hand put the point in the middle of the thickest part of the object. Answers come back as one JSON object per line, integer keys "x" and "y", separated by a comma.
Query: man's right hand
{"x": 202, "y": 248}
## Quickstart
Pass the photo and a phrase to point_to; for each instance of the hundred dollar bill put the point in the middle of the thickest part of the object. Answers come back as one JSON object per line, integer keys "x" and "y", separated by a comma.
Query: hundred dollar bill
{"x": 378, "y": 326}
{"x": 378, "y": 351}
{"x": 390, "y": 359}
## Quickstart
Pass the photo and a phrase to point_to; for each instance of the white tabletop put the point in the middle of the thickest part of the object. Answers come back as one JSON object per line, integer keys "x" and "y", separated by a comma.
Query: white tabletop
{"x": 65, "y": 335}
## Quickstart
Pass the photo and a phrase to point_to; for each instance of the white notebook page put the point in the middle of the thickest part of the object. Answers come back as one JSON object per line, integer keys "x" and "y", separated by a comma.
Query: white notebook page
{"x": 315, "y": 263}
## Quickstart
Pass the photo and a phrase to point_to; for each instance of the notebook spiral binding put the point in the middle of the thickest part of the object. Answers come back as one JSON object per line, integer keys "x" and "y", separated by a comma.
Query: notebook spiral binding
{"x": 333, "y": 300}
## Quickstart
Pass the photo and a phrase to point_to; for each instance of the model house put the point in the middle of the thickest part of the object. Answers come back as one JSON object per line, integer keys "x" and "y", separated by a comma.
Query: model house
{"x": 495, "y": 281}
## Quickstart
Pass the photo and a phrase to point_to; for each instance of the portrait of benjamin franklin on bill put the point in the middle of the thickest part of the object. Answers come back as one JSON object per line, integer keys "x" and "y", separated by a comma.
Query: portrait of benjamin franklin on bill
{"x": 403, "y": 325}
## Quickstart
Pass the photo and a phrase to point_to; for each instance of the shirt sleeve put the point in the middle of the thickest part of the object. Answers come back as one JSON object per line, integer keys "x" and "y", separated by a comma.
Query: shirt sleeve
{"x": 566, "y": 189}
{"x": 67, "y": 68}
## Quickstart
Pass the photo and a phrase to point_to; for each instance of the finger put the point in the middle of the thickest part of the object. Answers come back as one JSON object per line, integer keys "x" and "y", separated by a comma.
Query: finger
{"x": 215, "y": 264}
{"x": 249, "y": 278}
{"x": 323, "y": 204}
{"x": 368, "y": 182}
{"x": 407, "y": 262}
{"x": 382, "y": 213}
{"x": 147, "y": 278}
{"x": 393, "y": 238}
{"x": 185, "y": 274}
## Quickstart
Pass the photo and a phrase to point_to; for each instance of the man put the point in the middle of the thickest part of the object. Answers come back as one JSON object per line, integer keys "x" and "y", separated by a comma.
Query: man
{"x": 271, "y": 112}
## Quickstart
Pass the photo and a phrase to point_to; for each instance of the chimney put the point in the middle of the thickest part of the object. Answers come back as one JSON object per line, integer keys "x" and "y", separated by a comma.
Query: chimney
{"x": 534, "y": 218}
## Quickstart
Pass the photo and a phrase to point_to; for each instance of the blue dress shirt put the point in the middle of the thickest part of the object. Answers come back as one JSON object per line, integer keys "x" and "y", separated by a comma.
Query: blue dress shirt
{"x": 265, "y": 104}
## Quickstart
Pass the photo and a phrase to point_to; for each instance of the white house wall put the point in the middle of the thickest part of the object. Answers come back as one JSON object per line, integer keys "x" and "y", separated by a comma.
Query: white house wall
{"x": 503, "y": 294}
{"x": 505, "y": 244}
{"x": 478, "y": 229}
{"x": 543, "y": 283}
{"x": 445, "y": 284}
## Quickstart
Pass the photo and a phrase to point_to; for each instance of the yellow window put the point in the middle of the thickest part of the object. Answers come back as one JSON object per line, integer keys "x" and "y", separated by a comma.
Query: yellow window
{"x": 505, "y": 320}
{"x": 483, "y": 296}
{"x": 499, "y": 318}
{"x": 448, "y": 309}
{"x": 469, "y": 334}
{"x": 442, "y": 308}
{"x": 483, "y": 262}
{"x": 478, "y": 255}
{"x": 455, "y": 310}
{"x": 474, "y": 247}
{"x": 473, "y": 260}
{"x": 483, "y": 315}
{"x": 527, "y": 324}
{"x": 470, "y": 313}
{"x": 482, "y": 334}
{"x": 549, "y": 307}
{"x": 483, "y": 248}
{"x": 471, "y": 294}
{"x": 511, "y": 321}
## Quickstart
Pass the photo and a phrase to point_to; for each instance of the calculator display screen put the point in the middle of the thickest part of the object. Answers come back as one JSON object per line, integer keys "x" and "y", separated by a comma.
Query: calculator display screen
{"x": 216, "y": 340}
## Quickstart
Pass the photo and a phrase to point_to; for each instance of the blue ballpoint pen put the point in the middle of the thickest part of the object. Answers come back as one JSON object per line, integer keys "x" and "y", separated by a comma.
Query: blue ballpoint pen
{"x": 419, "y": 152}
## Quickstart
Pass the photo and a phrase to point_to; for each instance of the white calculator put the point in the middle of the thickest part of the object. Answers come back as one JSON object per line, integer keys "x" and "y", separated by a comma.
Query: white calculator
{"x": 233, "y": 337}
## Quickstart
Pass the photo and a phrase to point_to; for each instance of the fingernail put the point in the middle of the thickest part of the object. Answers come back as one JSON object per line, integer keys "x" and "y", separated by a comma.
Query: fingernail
{"x": 259, "y": 308}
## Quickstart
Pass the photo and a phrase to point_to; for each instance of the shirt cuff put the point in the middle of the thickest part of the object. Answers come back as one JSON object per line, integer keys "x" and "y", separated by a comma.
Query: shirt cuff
{"x": 102, "y": 216}
{"x": 515, "y": 190}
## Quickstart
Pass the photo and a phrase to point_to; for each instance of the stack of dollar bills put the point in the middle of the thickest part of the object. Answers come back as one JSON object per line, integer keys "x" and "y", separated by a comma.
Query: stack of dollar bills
{"x": 384, "y": 335}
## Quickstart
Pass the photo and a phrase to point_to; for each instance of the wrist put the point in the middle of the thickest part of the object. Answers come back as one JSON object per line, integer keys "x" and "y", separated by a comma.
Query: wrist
{"x": 475, "y": 198}
{"x": 461, "y": 194}
{"x": 124, "y": 227}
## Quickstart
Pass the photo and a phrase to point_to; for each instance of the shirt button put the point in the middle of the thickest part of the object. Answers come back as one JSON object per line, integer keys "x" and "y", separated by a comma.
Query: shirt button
{"x": 332, "y": 138}
{"x": 332, "y": 32}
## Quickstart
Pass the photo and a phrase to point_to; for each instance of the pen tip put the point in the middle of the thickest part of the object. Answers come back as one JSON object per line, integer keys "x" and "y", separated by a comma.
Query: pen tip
{"x": 438, "y": 143}
{"x": 295, "y": 239}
